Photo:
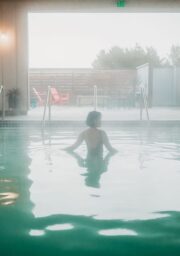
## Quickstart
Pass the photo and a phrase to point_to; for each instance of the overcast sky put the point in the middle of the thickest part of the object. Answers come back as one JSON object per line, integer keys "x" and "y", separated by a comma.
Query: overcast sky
{"x": 73, "y": 40}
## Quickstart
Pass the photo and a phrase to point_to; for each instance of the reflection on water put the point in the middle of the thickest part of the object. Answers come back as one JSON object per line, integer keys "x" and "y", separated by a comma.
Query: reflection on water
{"x": 117, "y": 232}
{"x": 8, "y": 191}
{"x": 95, "y": 165}
{"x": 65, "y": 226}
{"x": 36, "y": 232}
{"x": 8, "y": 198}
{"x": 55, "y": 203}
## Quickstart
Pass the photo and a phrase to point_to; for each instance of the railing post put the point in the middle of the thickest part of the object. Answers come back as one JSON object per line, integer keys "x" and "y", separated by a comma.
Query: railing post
{"x": 143, "y": 101}
{"x": 48, "y": 103}
{"x": 141, "y": 105}
{"x": 146, "y": 107}
{"x": 95, "y": 97}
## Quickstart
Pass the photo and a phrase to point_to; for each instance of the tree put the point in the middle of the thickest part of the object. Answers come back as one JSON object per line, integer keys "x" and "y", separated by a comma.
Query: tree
{"x": 152, "y": 57}
{"x": 102, "y": 60}
{"x": 118, "y": 57}
{"x": 174, "y": 55}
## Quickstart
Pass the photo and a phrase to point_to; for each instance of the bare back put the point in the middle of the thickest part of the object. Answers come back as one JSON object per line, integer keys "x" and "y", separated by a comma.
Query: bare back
{"x": 94, "y": 140}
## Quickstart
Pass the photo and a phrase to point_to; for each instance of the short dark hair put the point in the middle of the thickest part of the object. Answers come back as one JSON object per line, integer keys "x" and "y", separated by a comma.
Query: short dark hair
{"x": 92, "y": 117}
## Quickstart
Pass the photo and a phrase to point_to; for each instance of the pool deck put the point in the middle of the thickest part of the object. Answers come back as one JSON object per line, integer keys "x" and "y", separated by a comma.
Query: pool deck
{"x": 77, "y": 115}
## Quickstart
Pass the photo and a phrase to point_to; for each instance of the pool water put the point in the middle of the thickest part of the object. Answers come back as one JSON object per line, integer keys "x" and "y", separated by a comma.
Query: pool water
{"x": 56, "y": 203}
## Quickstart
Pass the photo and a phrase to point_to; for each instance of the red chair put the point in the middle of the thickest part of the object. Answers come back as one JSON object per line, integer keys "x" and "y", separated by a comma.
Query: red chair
{"x": 64, "y": 98}
{"x": 39, "y": 96}
{"x": 56, "y": 99}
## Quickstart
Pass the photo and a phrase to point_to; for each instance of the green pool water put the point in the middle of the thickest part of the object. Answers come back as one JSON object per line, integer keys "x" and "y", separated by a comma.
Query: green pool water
{"x": 55, "y": 203}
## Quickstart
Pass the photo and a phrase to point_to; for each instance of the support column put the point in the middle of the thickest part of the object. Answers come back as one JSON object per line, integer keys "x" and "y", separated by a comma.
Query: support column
{"x": 14, "y": 52}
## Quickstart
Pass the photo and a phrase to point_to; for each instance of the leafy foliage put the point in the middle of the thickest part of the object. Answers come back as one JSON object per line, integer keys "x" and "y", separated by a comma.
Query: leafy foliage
{"x": 174, "y": 55}
{"x": 118, "y": 57}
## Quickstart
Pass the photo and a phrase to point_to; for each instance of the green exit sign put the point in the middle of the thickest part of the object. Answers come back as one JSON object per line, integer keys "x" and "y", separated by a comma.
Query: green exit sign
{"x": 121, "y": 3}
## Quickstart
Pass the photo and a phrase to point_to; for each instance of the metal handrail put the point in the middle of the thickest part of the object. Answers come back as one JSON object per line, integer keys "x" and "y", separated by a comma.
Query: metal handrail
{"x": 3, "y": 101}
{"x": 95, "y": 97}
{"x": 144, "y": 99}
{"x": 1, "y": 88}
{"x": 48, "y": 104}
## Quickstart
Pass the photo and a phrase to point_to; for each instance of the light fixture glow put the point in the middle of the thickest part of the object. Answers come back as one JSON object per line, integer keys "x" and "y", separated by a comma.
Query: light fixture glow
{"x": 3, "y": 38}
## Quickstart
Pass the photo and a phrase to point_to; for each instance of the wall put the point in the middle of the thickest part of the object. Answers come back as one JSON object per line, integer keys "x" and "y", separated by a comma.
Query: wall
{"x": 14, "y": 53}
{"x": 166, "y": 86}
{"x": 177, "y": 84}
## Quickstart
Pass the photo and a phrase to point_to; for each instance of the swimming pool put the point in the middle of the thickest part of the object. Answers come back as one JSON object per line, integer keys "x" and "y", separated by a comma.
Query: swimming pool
{"x": 54, "y": 203}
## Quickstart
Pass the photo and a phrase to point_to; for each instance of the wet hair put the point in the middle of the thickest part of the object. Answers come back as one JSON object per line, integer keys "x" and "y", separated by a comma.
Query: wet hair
{"x": 92, "y": 118}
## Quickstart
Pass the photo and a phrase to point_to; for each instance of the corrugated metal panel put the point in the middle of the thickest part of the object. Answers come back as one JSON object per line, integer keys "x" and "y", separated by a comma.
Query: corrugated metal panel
{"x": 163, "y": 87}
{"x": 178, "y": 86}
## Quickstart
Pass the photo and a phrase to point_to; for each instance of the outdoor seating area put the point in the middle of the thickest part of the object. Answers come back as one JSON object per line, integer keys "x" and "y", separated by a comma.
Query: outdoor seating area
{"x": 39, "y": 98}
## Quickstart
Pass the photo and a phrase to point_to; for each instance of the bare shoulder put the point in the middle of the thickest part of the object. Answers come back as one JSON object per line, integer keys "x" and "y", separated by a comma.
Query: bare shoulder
{"x": 84, "y": 133}
{"x": 102, "y": 132}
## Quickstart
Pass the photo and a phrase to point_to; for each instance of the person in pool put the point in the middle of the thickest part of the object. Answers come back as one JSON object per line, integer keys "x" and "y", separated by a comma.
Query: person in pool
{"x": 94, "y": 137}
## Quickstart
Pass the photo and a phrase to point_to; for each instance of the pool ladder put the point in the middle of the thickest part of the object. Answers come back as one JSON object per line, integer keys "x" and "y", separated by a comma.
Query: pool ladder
{"x": 47, "y": 105}
{"x": 3, "y": 101}
{"x": 95, "y": 97}
{"x": 143, "y": 103}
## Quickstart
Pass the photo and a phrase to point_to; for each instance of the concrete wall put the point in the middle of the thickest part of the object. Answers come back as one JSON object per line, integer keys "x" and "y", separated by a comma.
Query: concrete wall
{"x": 14, "y": 52}
{"x": 177, "y": 84}
{"x": 162, "y": 87}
